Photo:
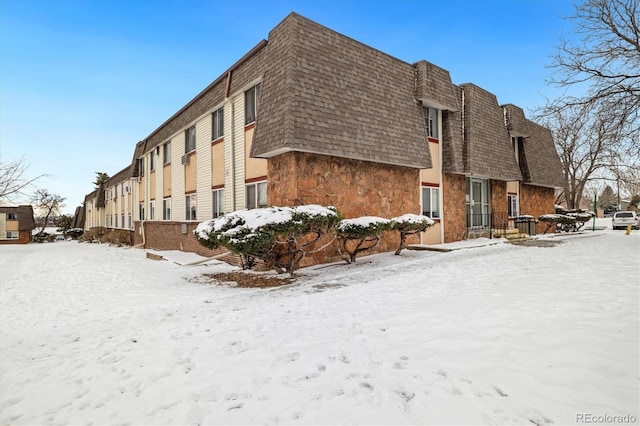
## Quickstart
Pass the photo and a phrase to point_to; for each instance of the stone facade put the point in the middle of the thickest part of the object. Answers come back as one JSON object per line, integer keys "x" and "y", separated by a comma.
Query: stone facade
{"x": 454, "y": 210}
{"x": 170, "y": 236}
{"x": 536, "y": 201}
{"x": 356, "y": 188}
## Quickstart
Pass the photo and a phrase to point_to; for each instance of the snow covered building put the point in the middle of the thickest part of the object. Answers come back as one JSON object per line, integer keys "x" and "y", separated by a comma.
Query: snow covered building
{"x": 311, "y": 116}
{"x": 16, "y": 224}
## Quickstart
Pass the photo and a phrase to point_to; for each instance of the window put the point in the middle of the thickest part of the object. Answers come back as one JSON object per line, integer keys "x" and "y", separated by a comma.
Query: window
{"x": 122, "y": 216}
{"x": 115, "y": 191}
{"x": 218, "y": 202}
{"x": 152, "y": 210}
{"x": 217, "y": 124}
{"x": 12, "y": 216}
{"x": 512, "y": 204}
{"x": 514, "y": 145}
{"x": 140, "y": 166}
{"x": 191, "y": 206}
{"x": 251, "y": 104}
{"x": 256, "y": 195}
{"x": 152, "y": 160}
{"x": 166, "y": 153}
{"x": 431, "y": 118}
{"x": 12, "y": 235}
{"x": 190, "y": 139}
{"x": 141, "y": 211}
{"x": 166, "y": 209}
{"x": 130, "y": 221}
{"x": 431, "y": 202}
{"x": 116, "y": 219}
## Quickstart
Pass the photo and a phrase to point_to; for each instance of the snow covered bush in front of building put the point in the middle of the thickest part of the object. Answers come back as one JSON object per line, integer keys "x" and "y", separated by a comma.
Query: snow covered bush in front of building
{"x": 410, "y": 224}
{"x": 360, "y": 234}
{"x": 280, "y": 236}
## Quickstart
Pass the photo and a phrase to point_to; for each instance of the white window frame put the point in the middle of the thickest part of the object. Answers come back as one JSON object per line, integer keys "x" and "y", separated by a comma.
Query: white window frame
{"x": 141, "y": 211}
{"x": 251, "y": 108}
{"x": 152, "y": 210}
{"x": 254, "y": 190}
{"x": 217, "y": 197}
{"x": 166, "y": 153}
{"x": 434, "y": 202}
{"x": 152, "y": 160}
{"x": 12, "y": 235}
{"x": 432, "y": 122}
{"x": 190, "y": 139}
{"x": 166, "y": 209}
{"x": 513, "y": 204}
{"x": 217, "y": 124}
{"x": 191, "y": 204}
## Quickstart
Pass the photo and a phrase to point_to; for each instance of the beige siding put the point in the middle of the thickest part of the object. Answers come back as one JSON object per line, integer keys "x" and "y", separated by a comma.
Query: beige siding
{"x": 177, "y": 177}
{"x": 203, "y": 167}
{"x": 512, "y": 187}
{"x": 239, "y": 155}
{"x": 230, "y": 111}
{"x": 3, "y": 224}
{"x": 152, "y": 185}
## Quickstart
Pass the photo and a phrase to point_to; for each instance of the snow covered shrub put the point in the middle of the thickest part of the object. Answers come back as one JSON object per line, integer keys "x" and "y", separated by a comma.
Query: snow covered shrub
{"x": 360, "y": 234}
{"x": 118, "y": 237}
{"x": 562, "y": 221}
{"x": 280, "y": 236}
{"x": 409, "y": 224}
{"x": 74, "y": 233}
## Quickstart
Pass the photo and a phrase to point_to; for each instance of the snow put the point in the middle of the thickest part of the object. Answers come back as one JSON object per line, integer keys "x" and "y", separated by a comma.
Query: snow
{"x": 498, "y": 334}
{"x": 360, "y": 222}
{"x": 413, "y": 218}
{"x": 252, "y": 220}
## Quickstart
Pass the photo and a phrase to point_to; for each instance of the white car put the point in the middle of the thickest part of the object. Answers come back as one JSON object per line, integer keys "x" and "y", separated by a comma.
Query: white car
{"x": 621, "y": 220}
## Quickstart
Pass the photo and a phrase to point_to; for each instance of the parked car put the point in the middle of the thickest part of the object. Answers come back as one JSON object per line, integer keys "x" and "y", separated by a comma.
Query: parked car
{"x": 621, "y": 220}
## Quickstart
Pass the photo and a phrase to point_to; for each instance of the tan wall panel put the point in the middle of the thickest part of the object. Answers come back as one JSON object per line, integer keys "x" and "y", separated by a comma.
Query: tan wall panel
{"x": 432, "y": 175}
{"x": 190, "y": 174}
{"x": 141, "y": 190}
{"x": 166, "y": 181}
{"x": 217, "y": 164}
{"x": 512, "y": 187}
{"x": 152, "y": 185}
{"x": 432, "y": 236}
{"x": 254, "y": 167}
{"x": 12, "y": 225}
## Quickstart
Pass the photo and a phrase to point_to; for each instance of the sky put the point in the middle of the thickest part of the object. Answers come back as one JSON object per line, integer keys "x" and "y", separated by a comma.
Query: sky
{"x": 538, "y": 334}
{"x": 82, "y": 81}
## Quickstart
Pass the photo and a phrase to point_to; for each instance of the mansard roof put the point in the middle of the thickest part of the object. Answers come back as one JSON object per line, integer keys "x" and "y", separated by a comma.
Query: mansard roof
{"x": 24, "y": 214}
{"x": 539, "y": 159}
{"x": 328, "y": 94}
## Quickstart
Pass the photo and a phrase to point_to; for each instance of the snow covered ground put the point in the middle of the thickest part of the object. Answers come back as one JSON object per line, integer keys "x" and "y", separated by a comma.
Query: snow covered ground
{"x": 501, "y": 334}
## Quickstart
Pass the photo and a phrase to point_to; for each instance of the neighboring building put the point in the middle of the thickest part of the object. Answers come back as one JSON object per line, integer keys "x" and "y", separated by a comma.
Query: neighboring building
{"x": 314, "y": 117}
{"x": 16, "y": 224}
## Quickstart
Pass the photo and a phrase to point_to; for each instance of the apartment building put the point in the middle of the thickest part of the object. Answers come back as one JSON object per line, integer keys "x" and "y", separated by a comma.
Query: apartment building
{"x": 311, "y": 116}
{"x": 16, "y": 224}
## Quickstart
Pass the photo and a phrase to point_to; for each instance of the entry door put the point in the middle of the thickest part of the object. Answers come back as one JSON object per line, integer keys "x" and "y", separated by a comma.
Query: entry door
{"x": 478, "y": 203}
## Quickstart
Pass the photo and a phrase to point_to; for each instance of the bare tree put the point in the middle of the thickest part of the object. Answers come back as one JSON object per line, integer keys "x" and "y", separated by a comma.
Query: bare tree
{"x": 596, "y": 132}
{"x": 47, "y": 204}
{"x": 605, "y": 57}
{"x": 13, "y": 178}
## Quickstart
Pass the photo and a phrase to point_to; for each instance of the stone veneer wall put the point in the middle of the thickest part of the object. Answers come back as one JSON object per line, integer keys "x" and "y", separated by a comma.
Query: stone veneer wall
{"x": 163, "y": 235}
{"x": 454, "y": 210}
{"x": 499, "y": 197}
{"x": 356, "y": 188}
{"x": 536, "y": 201}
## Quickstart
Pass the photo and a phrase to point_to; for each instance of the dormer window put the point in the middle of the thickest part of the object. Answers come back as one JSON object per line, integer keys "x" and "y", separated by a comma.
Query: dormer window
{"x": 431, "y": 120}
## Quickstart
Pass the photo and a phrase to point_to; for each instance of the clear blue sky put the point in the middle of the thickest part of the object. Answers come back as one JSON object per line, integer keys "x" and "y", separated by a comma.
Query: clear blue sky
{"x": 81, "y": 82}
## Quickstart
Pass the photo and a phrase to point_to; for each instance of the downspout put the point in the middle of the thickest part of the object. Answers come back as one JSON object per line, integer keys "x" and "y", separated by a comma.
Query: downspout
{"x": 440, "y": 176}
{"x": 464, "y": 141}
